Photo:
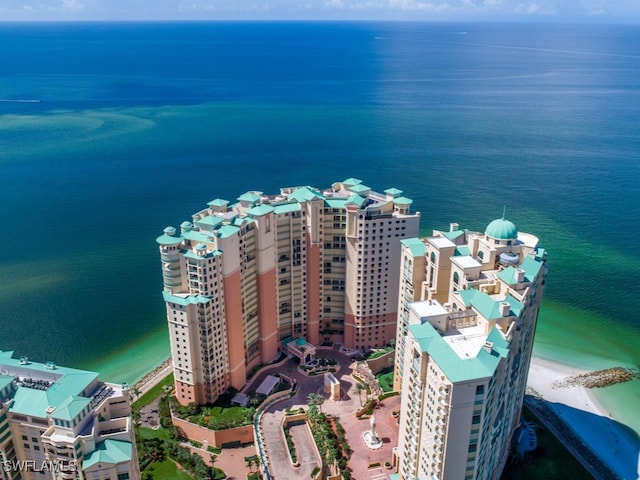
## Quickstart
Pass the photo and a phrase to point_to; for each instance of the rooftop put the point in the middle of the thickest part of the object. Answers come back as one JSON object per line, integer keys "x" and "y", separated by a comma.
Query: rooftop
{"x": 110, "y": 452}
{"x": 59, "y": 384}
{"x": 441, "y": 242}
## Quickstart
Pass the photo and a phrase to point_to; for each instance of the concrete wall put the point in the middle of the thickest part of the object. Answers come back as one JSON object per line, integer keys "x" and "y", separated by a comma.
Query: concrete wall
{"x": 215, "y": 438}
{"x": 378, "y": 364}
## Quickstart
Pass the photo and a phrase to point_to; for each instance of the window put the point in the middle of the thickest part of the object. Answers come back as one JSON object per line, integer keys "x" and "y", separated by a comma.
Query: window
{"x": 480, "y": 390}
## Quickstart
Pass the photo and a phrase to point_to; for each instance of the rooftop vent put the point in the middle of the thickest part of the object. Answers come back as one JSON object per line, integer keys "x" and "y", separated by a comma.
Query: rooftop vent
{"x": 488, "y": 346}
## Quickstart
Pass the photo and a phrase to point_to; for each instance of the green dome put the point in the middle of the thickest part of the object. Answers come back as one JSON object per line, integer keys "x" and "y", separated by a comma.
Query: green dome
{"x": 501, "y": 229}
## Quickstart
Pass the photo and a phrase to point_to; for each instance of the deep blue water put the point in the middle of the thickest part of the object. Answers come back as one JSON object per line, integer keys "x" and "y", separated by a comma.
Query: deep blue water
{"x": 139, "y": 125}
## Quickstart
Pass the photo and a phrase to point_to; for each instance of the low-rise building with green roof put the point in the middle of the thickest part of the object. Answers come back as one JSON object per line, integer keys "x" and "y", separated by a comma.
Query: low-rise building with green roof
{"x": 61, "y": 419}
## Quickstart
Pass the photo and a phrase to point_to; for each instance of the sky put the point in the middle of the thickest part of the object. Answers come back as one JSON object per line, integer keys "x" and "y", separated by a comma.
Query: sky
{"x": 609, "y": 11}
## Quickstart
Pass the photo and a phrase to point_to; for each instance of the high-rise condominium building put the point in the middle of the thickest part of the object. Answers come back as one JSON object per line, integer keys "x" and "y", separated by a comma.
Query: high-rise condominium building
{"x": 468, "y": 308}
{"x": 62, "y": 423}
{"x": 241, "y": 278}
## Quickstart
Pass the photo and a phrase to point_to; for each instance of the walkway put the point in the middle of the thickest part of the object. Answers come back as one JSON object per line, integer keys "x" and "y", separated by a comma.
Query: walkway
{"x": 344, "y": 409}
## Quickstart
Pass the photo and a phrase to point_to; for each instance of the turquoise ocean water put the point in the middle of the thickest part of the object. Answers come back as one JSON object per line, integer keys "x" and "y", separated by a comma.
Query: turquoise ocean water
{"x": 131, "y": 127}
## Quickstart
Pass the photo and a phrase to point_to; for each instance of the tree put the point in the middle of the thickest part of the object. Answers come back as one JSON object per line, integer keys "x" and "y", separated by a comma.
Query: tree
{"x": 360, "y": 388}
{"x": 315, "y": 399}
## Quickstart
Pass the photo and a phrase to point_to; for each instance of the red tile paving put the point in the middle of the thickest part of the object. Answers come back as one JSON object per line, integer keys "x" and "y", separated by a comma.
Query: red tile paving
{"x": 344, "y": 409}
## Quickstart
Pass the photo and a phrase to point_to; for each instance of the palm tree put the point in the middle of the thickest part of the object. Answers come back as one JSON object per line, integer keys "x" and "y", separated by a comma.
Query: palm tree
{"x": 360, "y": 388}
{"x": 315, "y": 399}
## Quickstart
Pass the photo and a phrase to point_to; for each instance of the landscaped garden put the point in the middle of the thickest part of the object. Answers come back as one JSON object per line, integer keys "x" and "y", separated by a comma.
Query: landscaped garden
{"x": 218, "y": 416}
{"x": 385, "y": 379}
{"x": 162, "y": 453}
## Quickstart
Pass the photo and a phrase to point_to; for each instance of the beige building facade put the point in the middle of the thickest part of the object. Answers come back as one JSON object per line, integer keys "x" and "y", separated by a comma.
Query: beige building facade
{"x": 64, "y": 424}
{"x": 468, "y": 308}
{"x": 304, "y": 263}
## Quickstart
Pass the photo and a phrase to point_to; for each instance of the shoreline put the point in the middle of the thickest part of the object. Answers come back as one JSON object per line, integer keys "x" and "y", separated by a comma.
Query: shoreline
{"x": 578, "y": 408}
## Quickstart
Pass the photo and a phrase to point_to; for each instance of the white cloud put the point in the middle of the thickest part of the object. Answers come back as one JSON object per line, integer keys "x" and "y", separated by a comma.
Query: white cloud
{"x": 416, "y": 5}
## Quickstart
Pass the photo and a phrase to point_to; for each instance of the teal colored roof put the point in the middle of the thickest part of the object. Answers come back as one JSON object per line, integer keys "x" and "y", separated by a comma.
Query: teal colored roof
{"x": 168, "y": 240}
{"x": 393, "y": 192}
{"x": 184, "y": 301}
{"x": 351, "y": 181}
{"x": 531, "y": 268}
{"x": 415, "y": 246}
{"x": 359, "y": 188}
{"x": 304, "y": 194}
{"x": 301, "y": 341}
{"x": 453, "y": 235}
{"x": 336, "y": 202}
{"x": 218, "y": 202}
{"x": 260, "y": 210}
{"x": 71, "y": 408}
{"x": 287, "y": 208}
{"x": 5, "y": 380}
{"x": 196, "y": 236}
{"x": 28, "y": 401}
{"x": 501, "y": 229}
{"x": 485, "y": 305}
{"x": 191, "y": 254}
{"x": 227, "y": 231}
{"x": 462, "y": 250}
{"x": 402, "y": 201}
{"x": 209, "y": 222}
{"x": 249, "y": 197}
{"x": 109, "y": 452}
{"x": 357, "y": 200}
{"x": 483, "y": 365}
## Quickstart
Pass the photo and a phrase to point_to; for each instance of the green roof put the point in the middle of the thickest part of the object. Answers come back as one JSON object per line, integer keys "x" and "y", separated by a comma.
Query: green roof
{"x": 4, "y": 381}
{"x": 260, "y": 210}
{"x": 487, "y": 306}
{"x": 249, "y": 197}
{"x": 501, "y": 229}
{"x": 67, "y": 382}
{"x": 415, "y": 246}
{"x": 71, "y": 408}
{"x": 287, "y": 208}
{"x": 196, "y": 236}
{"x": 394, "y": 192}
{"x": 483, "y": 365}
{"x": 304, "y": 194}
{"x": 453, "y": 235}
{"x": 218, "y": 202}
{"x": 192, "y": 254}
{"x": 109, "y": 452}
{"x": 343, "y": 202}
{"x": 351, "y": 181}
{"x": 184, "y": 300}
{"x": 168, "y": 240}
{"x": 531, "y": 268}
{"x": 359, "y": 188}
{"x": 227, "y": 231}
{"x": 402, "y": 201}
{"x": 462, "y": 251}
{"x": 209, "y": 222}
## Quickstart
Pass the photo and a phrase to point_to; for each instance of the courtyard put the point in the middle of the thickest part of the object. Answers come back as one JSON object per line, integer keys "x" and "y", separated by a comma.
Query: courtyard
{"x": 351, "y": 399}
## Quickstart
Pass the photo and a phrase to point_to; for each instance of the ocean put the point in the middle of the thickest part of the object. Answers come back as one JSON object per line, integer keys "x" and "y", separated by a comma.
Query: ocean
{"x": 111, "y": 131}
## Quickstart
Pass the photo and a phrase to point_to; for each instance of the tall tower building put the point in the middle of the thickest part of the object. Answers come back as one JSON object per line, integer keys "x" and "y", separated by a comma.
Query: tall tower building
{"x": 62, "y": 423}
{"x": 241, "y": 278}
{"x": 468, "y": 307}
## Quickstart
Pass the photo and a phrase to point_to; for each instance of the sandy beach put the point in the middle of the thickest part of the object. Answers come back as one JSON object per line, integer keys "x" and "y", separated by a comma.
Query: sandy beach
{"x": 617, "y": 445}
